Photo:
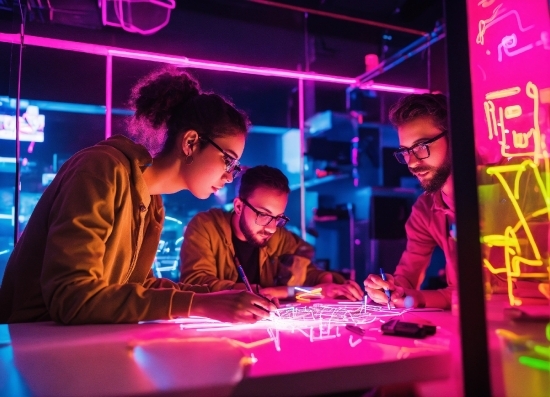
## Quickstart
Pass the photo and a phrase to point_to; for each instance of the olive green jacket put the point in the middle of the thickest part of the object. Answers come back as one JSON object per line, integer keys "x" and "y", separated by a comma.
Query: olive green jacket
{"x": 207, "y": 255}
{"x": 86, "y": 253}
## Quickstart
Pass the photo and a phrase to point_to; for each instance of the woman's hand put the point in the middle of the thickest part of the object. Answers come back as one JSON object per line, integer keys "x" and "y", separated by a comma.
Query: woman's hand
{"x": 350, "y": 290}
{"x": 231, "y": 306}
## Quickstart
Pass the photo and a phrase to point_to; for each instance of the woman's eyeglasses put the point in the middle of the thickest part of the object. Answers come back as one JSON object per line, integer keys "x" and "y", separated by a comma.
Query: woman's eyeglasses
{"x": 263, "y": 219}
{"x": 420, "y": 150}
{"x": 232, "y": 165}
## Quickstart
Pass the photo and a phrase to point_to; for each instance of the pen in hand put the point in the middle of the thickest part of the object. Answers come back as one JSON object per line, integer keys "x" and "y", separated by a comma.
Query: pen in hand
{"x": 387, "y": 291}
{"x": 241, "y": 272}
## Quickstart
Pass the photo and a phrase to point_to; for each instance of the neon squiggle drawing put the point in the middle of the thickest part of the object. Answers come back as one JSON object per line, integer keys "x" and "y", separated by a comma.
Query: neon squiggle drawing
{"x": 496, "y": 123}
{"x": 514, "y": 257}
{"x": 485, "y": 3}
{"x": 485, "y": 24}
{"x": 509, "y": 42}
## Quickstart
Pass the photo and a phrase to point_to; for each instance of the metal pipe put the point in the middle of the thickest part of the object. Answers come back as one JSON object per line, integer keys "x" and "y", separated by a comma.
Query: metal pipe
{"x": 301, "y": 123}
{"x": 340, "y": 17}
{"x": 108, "y": 96}
{"x": 404, "y": 54}
{"x": 351, "y": 216}
{"x": 17, "y": 195}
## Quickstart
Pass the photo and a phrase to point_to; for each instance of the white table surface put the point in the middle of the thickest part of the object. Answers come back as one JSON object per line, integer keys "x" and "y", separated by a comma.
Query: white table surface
{"x": 46, "y": 359}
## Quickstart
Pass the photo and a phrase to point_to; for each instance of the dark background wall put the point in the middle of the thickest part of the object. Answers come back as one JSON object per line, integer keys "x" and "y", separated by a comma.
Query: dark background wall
{"x": 238, "y": 31}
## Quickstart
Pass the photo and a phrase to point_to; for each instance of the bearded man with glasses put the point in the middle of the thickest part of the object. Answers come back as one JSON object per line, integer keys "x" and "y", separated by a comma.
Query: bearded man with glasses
{"x": 273, "y": 259}
{"x": 421, "y": 122}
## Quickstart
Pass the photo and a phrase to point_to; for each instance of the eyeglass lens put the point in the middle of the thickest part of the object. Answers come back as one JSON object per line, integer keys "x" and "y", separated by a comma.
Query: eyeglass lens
{"x": 264, "y": 220}
{"x": 420, "y": 152}
{"x": 233, "y": 167}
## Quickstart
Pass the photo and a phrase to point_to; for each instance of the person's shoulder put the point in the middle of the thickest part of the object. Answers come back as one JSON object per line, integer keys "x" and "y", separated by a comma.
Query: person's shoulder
{"x": 213, "y": 224}
{"x": 100, "y": 157}
{"x": 283, "y": 236}
{"x": 213, "y": 215}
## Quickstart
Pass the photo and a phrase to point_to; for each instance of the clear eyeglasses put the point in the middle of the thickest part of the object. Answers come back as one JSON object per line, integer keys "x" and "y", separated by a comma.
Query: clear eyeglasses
{"x": 421, "y": 150}
{"x": 232, "y": 165}
{"x": 263, "y": 219}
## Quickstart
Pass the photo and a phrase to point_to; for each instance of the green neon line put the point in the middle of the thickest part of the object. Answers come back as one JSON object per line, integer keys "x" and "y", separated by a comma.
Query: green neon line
{"x": 535, "y": 363}
{"x": 542, "y": 350}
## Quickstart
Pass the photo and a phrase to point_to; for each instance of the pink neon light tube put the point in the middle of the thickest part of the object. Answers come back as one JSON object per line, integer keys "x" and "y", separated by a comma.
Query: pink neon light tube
{"x": 229, "y": 67}
{"x": 97, "y": 49}
{"x": 393, "y": 88}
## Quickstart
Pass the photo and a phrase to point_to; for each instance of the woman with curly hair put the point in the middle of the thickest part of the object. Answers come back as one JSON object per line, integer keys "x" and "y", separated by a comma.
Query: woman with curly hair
{"x": 87, "y": 251}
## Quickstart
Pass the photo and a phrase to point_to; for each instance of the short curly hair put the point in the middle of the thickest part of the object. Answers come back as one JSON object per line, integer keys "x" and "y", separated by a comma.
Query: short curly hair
{"x": 415, "y": 106}
{"x": 262, "y": 176}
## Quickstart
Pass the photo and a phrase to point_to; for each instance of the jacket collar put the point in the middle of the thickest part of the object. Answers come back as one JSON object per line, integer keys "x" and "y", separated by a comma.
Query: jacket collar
{"x": 139, "y": 158}
{"x": 133, "y": 151}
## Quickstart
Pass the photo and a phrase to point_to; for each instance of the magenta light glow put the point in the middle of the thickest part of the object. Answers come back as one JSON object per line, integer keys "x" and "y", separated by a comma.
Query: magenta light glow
{"x": 315, "y": 322}
{"x": 509, "y": 46}
{"x": 393, "y": 88}
{"x": 97, "y": 49}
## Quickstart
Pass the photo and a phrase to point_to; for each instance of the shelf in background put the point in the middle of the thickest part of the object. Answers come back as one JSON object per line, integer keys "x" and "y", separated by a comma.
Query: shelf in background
{"x": 320, "y": 181}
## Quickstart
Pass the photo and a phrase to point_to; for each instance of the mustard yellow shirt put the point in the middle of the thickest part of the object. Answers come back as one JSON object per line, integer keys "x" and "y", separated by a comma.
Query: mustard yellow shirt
{"x": 207, "y": 255}
{"x": 86, "y": 253}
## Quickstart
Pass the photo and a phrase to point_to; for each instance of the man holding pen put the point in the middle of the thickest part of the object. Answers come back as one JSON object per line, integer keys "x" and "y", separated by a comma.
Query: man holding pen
{"x": 421, "y": 122}
{"x": 273, "y": 259}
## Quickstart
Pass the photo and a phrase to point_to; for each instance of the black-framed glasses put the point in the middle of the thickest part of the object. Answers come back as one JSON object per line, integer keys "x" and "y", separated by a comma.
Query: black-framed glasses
{"x": 232, "y": 165}
{"x": 421, "y": 150}
{"x": 263, "y": 219}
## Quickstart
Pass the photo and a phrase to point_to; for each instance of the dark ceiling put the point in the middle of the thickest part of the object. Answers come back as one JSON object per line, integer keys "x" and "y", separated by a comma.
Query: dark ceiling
{"x": 238, "y": 31}
{"x": 420, "y": 15}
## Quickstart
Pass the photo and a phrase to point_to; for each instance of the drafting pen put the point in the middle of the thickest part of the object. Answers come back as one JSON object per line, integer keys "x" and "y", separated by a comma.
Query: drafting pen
{"x": 241, "y": 272}
{"x": 387, "y": 291}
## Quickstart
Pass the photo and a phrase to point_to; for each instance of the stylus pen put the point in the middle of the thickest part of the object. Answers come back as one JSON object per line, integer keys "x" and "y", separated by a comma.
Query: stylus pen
{"x": 387, "y": 291}
{"x": 241, "y": 272}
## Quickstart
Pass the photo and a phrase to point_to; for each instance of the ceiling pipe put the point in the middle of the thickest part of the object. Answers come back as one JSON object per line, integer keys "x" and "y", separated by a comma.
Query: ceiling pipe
{"x": 402, "y": 55}
{"x": 313, "y": 11}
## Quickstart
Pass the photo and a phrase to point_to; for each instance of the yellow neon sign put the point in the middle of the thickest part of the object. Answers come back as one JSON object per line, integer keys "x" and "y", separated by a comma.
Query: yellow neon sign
{"x": 514, "y": 258}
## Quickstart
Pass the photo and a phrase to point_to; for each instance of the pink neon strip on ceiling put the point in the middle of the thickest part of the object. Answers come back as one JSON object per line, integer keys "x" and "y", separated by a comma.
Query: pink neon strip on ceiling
{"x": 393, "y": 88}
{"x": 98, "y": 49}
{"x": 229, "y": 67}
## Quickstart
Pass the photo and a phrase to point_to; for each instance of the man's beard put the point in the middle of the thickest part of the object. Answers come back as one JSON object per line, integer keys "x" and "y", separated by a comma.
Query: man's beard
{"x": 251, "y": 237}
{"x": 440, "y": 176}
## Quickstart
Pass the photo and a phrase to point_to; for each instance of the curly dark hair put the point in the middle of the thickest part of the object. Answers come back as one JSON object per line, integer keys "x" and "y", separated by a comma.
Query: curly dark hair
{"x": 169, "y": 101}
{"x": 262, "y": 176}
{"x": 415, "y": 106}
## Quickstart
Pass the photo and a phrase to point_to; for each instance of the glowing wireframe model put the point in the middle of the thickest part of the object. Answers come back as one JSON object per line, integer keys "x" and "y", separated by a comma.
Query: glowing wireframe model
{"x": 316, "y": 322}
